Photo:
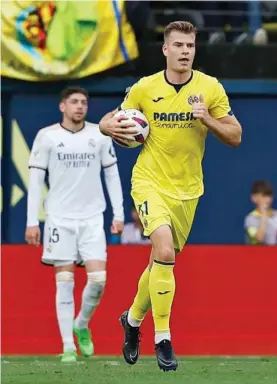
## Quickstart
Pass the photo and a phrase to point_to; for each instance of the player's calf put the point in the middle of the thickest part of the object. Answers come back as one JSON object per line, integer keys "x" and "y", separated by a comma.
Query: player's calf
{"x": 162, "y": 290}
{"x": 65, "y": 308}
{"x": 90, "y": 299}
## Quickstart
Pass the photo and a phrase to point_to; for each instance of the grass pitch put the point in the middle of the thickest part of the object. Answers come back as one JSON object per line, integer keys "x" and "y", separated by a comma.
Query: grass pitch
{"x": 113, "y": 370}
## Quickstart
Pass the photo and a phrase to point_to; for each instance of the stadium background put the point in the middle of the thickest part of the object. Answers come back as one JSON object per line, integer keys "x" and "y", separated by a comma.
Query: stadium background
{"x": 228, "y": 172}
{"x": 242, "y": 289}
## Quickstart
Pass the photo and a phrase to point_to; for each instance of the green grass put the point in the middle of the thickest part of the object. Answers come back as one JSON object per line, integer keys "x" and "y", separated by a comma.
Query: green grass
{"x": 113, "y": 370}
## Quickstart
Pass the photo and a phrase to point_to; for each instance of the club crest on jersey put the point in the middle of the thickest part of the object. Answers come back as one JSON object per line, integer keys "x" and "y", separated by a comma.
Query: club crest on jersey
{"x": 193, "y": 99}
{"x": 91, "y": 143}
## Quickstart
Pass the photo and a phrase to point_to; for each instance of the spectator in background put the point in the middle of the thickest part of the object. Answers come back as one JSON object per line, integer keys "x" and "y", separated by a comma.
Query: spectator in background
{"x": 234, "y": 21}
{"x": 139, "y": 15}
{"x": 132, "y": 233}
{"x": 261, "y": 224}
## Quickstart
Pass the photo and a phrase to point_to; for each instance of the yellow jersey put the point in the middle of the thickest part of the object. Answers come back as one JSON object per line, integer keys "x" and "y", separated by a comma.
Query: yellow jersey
{"x": 170, "y": 160}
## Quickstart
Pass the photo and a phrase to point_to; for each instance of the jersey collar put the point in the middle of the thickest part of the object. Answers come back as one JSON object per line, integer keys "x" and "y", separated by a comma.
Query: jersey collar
{"x": 68, "y": 130}
{"x": 257, "y": 213}
{"x": 178, "y": 85}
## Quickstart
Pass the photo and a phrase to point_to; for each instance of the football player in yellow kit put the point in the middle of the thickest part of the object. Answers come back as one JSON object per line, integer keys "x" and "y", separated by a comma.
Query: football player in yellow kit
{"x": 181, "y": 105}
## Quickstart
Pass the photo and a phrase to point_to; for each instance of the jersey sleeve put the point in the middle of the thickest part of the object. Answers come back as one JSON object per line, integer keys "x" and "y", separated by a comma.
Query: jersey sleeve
{"x": 220, "y": 106}
{"x": 133, "y": 97}
{"x": 40, "y": 153}
{"x": 108, "y": 155}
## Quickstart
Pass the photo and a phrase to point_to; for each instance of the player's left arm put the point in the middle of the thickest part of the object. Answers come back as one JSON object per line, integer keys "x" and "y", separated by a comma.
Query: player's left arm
{"x": 219, "y": 118}
{"x": 113, "y": 183}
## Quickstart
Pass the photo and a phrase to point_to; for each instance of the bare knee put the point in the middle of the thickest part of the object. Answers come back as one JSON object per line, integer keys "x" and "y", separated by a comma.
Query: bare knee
{"x": 95, "y": 265}
{"x": 164, "y": 253}
{"x": 64, "y": 268}
{"x": 162, "y": 242}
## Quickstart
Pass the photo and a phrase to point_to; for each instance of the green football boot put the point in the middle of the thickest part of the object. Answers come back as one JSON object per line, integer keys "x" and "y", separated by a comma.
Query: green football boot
{"x": 69, "y": 356}
{"x": 84, "y": 341}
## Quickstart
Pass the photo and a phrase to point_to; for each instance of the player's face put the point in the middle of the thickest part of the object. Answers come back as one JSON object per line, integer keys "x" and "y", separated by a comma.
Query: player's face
{"x": 262, "y": 201}
{"x": 179, "y": 49}
{"x": 75, "y": 107}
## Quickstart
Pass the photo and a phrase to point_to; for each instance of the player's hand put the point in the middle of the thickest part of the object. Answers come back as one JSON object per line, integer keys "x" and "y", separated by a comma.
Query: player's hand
{"x": 119, "y": 127}
{"x": 117, "y": 227}
{"x": 32, "y": 236}
{"x": 263, "y": 207}
{"x": 200, "y": 111}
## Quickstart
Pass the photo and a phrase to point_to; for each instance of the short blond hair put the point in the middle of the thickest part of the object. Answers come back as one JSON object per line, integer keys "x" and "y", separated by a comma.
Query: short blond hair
{"x": 180, "y": 26}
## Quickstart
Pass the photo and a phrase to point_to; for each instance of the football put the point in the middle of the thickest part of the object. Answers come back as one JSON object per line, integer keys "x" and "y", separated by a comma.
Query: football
{"x": 142, "y": 127}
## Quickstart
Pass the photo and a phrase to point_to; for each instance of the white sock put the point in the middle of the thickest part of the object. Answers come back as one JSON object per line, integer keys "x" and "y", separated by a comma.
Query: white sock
{"x": 91, "y": 296}
{"x": 133, "y": 322}
{"x": 65, "y": 308}
{"x": 162, "y": 336}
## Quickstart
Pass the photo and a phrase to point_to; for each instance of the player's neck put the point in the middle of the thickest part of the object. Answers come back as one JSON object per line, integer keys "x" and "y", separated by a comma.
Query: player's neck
{"x": 177, "y": 78}
{"x": 71, "y": 126}
{"x": 269, "y": 211}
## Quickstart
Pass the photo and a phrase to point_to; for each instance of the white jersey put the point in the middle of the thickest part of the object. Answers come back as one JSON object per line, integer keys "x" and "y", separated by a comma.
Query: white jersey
{"x": 73, "y": 161}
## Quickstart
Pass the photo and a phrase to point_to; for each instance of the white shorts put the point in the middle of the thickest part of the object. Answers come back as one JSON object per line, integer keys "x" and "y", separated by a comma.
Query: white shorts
{"x": 73, "y": 240}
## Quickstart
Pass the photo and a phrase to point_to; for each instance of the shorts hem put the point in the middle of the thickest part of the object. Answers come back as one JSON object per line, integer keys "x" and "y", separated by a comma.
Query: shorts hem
{"x": 47, "y": 264}
{"x": 78, "y": 263}
{"x": 156, "y": 226}
{"x": 51, "y": 263}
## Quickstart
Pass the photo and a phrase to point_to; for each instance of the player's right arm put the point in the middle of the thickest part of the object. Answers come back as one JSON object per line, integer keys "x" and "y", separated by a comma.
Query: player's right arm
{"x": 38, "y": 164}
{"x": 119, "y": 127}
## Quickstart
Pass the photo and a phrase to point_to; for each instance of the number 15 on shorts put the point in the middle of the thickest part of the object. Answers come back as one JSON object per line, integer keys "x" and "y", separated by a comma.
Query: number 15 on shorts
{"x": 54, "y": 236}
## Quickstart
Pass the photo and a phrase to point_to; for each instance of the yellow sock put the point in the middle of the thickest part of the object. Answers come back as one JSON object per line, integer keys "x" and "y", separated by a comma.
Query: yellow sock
{"x": 162, "y": 289}
{"x": 142, "y": 302}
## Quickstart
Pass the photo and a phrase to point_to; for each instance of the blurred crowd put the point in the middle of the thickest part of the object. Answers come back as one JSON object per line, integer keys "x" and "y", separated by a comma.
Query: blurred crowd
{"x": 54, "y": 40}
{"x": 238, "y": 22}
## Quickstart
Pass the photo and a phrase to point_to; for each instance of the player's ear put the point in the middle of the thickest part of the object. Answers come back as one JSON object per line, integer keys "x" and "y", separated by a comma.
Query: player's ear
{"x": 164, "y": 49}
{"x": 62, "y": 106}
{"x": 254, "y": 198}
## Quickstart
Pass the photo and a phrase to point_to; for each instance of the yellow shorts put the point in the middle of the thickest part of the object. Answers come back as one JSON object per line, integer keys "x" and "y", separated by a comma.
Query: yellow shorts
{"x": 156, "y": 209}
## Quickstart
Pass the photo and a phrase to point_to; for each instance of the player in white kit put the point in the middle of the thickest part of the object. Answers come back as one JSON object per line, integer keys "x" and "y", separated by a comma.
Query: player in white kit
{"x": 73, "y": 153}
